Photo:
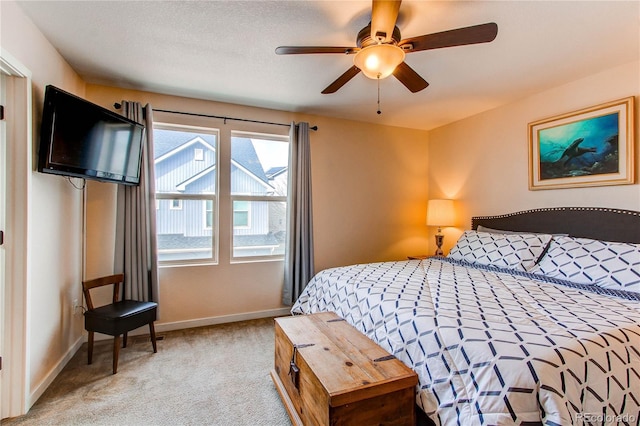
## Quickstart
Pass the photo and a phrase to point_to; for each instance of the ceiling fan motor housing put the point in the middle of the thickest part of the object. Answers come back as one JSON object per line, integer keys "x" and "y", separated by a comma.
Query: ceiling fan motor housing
{"x": 364, "y": 37}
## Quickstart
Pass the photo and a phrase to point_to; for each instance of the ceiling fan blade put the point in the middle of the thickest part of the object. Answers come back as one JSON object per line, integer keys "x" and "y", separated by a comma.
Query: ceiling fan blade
{"x": 301, "y": 50}
{"x": 342, "y": 80}
{"x": 409, "y": 78}
{"x": 482, "y": 33}
{"x": 384, "y": 15}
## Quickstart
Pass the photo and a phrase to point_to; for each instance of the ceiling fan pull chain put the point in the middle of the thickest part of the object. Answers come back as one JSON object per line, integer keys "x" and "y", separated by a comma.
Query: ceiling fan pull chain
{"x": 379, "y": 112}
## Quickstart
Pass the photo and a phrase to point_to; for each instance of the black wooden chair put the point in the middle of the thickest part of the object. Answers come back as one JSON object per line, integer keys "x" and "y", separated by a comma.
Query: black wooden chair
{"x": 117, "y": 318}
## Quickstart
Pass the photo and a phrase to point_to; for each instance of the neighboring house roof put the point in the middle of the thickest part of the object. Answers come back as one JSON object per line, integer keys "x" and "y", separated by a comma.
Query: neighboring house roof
{"x": 179, "y": 241}
{"x": 243, "y": 152}
{"x": 193, "y": 141}
{"x": 182, "y": 186}
{"x": 275, "y": 171}
{"x": 172, "y": 140}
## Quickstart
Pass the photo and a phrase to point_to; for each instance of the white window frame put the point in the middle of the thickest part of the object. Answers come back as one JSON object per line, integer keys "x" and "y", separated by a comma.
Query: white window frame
{"x": 213, "y": 197}
{"x": 214, "y": 234}
{"x": 250, "y": 198}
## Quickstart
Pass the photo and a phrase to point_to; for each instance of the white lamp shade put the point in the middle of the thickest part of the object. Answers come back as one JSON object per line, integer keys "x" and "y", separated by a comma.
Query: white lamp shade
{"x": 379, "y": 60}
{"x": 440, "y": 213}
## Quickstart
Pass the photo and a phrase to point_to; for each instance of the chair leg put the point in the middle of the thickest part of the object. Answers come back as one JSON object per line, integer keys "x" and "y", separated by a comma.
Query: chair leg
{"x": 116, "y": 352}
{"x": 124, "y": 340}
{"x": 152, "y": 332}
{"x": 90, "y": 348}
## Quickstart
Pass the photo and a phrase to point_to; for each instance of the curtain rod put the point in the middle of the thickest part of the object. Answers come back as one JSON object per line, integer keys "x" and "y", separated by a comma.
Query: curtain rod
{"x": 118, "y": 106}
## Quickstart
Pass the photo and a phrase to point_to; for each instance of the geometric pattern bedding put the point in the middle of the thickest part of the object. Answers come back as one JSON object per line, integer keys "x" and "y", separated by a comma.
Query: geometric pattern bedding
{"x": 494, "y": 347}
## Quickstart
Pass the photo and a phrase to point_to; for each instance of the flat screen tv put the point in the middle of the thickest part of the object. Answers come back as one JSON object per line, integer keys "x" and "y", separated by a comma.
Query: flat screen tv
{"x": 84, "y": 140}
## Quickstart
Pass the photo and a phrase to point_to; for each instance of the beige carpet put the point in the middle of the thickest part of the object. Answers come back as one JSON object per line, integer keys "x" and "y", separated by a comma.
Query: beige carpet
{"x": 217, "y": 375}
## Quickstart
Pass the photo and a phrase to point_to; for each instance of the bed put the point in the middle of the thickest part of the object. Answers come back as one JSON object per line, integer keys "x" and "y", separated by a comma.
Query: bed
{"x": 533, "y": 318}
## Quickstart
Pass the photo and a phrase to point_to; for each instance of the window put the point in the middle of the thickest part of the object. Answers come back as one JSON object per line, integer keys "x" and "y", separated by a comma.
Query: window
{"x": 259, "y": 173}
{"x": 241, "y": 214}
{"x": 189, "y": 196}
{"x": 208, "y": 214}
{"x": 187, "y": 231}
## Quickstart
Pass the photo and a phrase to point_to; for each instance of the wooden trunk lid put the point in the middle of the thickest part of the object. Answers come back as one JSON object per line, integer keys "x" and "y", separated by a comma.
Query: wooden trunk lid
{"x": 348, "y": 366}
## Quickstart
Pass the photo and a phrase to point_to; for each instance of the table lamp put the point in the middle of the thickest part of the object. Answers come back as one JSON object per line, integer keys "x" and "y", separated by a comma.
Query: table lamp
{"x": 440, "y": 213}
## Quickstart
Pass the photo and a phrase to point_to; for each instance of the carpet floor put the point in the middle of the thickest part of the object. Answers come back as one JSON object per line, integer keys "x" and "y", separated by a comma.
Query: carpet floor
{"x": 216, "y": 375}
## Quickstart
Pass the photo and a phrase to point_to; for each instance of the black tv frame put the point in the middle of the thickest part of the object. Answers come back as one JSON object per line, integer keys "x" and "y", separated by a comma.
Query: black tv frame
{"x": 54, "y": 97}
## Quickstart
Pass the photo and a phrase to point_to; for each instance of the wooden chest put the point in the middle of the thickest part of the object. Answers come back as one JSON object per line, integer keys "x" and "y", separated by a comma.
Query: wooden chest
{"x": 328, "y": 373}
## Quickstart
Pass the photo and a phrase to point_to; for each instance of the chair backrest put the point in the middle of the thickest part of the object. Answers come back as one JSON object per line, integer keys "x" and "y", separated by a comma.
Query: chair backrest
{"x": 114, "y": 280}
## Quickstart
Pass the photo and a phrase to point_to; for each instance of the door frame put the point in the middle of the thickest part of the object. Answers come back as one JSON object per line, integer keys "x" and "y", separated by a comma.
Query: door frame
{"x": 15, "y": 281}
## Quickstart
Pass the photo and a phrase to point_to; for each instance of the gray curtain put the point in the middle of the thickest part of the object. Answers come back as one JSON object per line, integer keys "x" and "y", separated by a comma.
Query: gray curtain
{"x": 135, "y": 250}
{"x": 298, "y": 257}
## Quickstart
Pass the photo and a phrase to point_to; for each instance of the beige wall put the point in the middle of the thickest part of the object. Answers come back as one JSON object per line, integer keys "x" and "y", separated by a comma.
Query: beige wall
{"x": 369, "y": 203}
{"x": 53, "y": 214}
{"x": 482, "y": 161}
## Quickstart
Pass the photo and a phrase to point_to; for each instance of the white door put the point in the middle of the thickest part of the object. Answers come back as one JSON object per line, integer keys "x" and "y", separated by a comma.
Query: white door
{"x": 3, "y": 203}
{"x": 15, "y": 161}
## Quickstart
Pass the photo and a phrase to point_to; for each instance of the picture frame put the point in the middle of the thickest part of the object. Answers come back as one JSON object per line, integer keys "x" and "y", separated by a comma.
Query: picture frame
{"x": 590, "y": 147}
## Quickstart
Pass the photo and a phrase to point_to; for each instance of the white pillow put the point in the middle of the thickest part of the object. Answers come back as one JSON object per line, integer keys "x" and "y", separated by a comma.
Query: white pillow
{"x": 584, "y": 261}
{"x": 512, "y": 251}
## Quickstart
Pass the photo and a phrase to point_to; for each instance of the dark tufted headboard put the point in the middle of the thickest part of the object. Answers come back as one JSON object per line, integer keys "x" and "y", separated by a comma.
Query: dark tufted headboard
{"x": 598, "y": 223}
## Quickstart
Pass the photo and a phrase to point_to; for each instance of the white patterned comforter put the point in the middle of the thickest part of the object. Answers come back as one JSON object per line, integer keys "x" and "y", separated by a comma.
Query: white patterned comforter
{"x": 492, "y": 347}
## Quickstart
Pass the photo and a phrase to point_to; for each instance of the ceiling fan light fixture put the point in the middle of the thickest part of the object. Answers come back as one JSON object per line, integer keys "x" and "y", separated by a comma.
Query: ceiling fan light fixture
{"x": 378, "y": 61}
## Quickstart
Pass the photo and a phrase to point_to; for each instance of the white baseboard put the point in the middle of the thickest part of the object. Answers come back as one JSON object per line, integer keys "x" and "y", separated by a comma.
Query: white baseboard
{"x": 201, "y": 322}
{"x": 160, "y": 327}
{"x": 53, "y": 373}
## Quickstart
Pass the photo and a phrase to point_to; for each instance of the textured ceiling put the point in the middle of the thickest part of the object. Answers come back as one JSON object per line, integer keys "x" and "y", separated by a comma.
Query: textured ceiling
{"x": 224, "y": 51}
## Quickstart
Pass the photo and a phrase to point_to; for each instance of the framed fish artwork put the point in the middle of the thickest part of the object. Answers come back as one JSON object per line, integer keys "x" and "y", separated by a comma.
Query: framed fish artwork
{"x": 590, "y": 147}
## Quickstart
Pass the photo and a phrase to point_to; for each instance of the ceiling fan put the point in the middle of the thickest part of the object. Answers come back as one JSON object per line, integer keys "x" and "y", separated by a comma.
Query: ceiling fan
{"x": 380, "y": 50}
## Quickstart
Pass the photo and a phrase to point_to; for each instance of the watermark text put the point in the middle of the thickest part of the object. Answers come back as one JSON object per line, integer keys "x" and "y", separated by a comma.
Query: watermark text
{"x": 606, "y": 418}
